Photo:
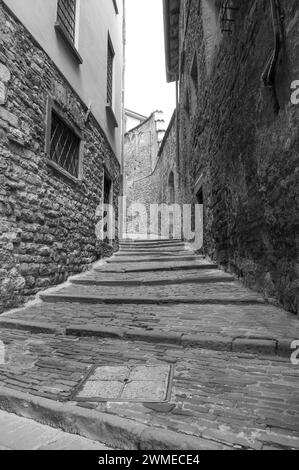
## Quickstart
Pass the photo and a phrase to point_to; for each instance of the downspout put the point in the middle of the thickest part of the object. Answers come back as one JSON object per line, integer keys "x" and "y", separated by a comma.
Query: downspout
{"x": 122, "y": 203}
{"x": 269, "y": 74}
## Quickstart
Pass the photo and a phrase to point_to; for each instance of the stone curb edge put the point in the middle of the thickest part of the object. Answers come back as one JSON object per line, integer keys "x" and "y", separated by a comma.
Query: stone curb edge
{"x": 120, "y": 433}
{"x": 268, "y": 346}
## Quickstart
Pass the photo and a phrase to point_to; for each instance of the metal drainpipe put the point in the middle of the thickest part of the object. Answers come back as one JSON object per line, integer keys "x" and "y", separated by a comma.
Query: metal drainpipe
{"x": 269, "y": 74}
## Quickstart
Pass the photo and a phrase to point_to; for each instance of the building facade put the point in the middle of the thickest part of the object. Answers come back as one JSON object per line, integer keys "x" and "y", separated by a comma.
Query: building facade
{"x": 61, "y": 95}
{"x": 236, "y": 63}
{"x": 142, "y": 145}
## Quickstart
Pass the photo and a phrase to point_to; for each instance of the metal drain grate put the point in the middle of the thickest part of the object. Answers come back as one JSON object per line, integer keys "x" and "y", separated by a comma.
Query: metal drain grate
{"x": 134, "y": 383}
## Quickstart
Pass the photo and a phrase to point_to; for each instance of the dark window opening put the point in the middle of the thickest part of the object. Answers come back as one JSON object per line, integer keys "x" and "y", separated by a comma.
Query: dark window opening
{"x": 66, "y": 17}
{"x": 106, "y": 200}
{"x": 171, "y": 188}
{"x": 110, "y": 64}
{"x": 199, "y": 200}
{"x": 199, "y": 197}
{"x": 64, "y": 146}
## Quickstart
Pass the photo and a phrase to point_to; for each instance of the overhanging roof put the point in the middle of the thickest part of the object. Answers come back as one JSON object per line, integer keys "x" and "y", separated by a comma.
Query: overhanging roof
{"x": 171, "y": 32}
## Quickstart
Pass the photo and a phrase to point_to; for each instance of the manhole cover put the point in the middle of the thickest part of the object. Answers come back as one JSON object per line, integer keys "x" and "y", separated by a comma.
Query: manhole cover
{"x": 138, "y": 383}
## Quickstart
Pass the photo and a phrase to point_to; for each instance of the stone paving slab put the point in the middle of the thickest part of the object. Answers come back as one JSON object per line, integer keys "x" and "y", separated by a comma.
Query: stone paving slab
{"x": 18, "y": 433}
{"x": 231, "y": 399}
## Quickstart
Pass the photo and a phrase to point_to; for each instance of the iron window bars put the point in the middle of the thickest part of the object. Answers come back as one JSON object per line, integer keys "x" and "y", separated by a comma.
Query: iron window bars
{"x": 66, "y": 17}
{"x": 63, "y": 144}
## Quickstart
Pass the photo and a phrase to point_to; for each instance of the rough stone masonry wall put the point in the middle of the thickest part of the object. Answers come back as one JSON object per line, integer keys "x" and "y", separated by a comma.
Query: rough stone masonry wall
{"x": 244, "y": 147}
{"x": 47, "y": 221}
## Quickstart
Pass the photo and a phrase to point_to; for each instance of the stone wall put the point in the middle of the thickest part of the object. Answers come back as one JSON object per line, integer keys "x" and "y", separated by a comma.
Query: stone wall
{"x": 47, "y": 221}
{"x": 241, "y": 139}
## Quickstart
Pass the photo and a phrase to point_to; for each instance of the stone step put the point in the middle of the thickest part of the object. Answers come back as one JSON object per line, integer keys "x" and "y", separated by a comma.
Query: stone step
{"x": 149, "y": 267}
{"x": 153, "y": 244}
{"x": 54, "y": 298}
{"x": 152, "y": 253}
{"x": 148, "y": 259}
{"x": 153, "y": 247}
{"x": 92, "y": 281}
{"x": 153, "y": 240}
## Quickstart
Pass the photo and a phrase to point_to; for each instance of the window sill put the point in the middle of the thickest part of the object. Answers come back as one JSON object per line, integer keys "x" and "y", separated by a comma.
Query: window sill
{"x": 111, "y": 115}
{"x": 60, "y": 170}
{"x": 60, "y": 29}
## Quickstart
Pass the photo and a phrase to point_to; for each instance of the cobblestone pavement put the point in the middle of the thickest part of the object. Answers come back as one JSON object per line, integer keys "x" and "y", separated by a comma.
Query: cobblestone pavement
{"x": 245, "y": 396}
{"x": 18, "y": 433}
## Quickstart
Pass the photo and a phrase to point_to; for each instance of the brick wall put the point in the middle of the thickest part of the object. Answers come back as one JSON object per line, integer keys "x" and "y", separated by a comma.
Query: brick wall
{"x": 243, "y": 139}
{"x": 47, "y": 221}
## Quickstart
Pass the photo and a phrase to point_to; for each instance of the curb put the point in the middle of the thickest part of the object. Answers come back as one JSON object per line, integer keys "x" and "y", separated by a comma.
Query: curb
{"x": 120, "y": 433}
{"x": 250, "y": 344}
{"x": 265, "y": 346}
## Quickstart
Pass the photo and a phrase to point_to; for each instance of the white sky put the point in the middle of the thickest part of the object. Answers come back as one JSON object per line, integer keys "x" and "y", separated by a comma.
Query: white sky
{"x": 146, "y": 86}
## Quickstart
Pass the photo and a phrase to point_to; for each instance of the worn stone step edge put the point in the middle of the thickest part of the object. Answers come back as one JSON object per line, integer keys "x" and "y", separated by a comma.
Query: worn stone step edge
{"x": 184, "y": 267}
{"x": 52, "y": 298}
{"x": 267, "y": 346}
{"x": 33, "y": 327}
{"x": 153, "y": 282}
{"x": 170, "y": 241}
{"x": 156, "y": 254}
{"x": 114, "y": 431}
{"x": 274, "y": 346}
{"x": 126, "y": 260}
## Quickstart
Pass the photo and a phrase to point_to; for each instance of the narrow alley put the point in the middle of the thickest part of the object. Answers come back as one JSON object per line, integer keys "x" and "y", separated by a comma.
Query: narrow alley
{"x": 149, "y": 242}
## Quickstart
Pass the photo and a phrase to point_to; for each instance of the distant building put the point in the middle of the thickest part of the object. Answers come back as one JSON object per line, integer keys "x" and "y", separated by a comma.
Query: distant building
{"x": 61, "y": 70}
{"x": 133, "y": 119}
{"x": 141, "y": 153}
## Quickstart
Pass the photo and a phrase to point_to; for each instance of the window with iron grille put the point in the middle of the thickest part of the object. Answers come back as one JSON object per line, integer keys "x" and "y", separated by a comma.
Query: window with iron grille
{"x": 110, "y": 65}
{"x": 64, "y": 146}
{"x": 66, "y": 17}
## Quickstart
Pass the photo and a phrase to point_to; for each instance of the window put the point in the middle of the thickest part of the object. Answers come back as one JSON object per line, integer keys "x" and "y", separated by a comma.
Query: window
{"x": 171, "y": 190}
{"x": 212, "y": 32}
{"x": 67, "y": 25}
{"x": 63, "y": 144}
{"x": 110, "y": 71}
{"x": 66, "y": 18}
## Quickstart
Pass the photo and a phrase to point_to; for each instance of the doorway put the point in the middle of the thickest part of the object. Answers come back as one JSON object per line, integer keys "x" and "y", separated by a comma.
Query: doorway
{"x": 107, "y": 200}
